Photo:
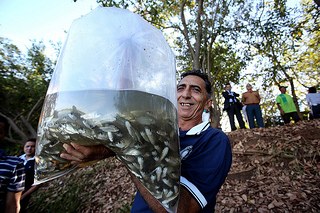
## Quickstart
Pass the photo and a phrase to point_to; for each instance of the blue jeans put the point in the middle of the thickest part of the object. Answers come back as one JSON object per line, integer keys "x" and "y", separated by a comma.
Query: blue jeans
{"x": 254, "y": 112}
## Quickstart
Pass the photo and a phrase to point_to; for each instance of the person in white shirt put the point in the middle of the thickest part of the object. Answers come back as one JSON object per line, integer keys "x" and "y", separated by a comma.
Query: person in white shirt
{"x": 313, "y": 100}
{"x": 29, "y": 150}
{"x": 29, "y": 161}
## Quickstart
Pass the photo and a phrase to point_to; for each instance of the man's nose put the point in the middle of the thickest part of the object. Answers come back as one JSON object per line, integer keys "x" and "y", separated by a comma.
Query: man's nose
{"x": 186, "y": 93}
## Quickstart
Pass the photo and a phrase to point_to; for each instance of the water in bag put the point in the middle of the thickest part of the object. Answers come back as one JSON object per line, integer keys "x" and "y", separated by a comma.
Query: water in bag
{"x": 114, "y": 84}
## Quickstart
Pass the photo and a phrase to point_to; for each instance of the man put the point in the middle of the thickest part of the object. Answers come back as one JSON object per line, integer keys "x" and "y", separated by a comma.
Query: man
{"x": 313, "y": 101}
{"x": 29, "y": 161}
{"x": 29, "y": 149}
{"x": 205, "y": 152}
{"x": 11, "y": 177}
{"x": 233, "y": 107}
{"x": 286, "y": 106}
{"x": 251, "y": 100}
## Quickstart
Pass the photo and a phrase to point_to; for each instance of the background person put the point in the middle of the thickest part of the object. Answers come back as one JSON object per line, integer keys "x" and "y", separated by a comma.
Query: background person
{"x": 233, "y": 107}
{"x": 286, "y": 106}
{"x": 313, "y": 100}
{"x": 12, "y": 176}
{"x": 251, "y": 100}
{"x": 29, "y": 161}
{"x": 205, "y": 152}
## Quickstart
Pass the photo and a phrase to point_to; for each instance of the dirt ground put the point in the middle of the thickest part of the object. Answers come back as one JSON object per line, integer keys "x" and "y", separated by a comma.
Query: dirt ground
{"x": 274, "y": 169}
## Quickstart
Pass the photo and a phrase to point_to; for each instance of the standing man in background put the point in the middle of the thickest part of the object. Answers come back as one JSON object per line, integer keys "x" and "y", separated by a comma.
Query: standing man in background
{"x": 29, "y": 161}
{"x": 286, "y": 106}
{"x": 313, "y": 100}
{"x": 233, "y": 107}
{"x": 251, "y": 100}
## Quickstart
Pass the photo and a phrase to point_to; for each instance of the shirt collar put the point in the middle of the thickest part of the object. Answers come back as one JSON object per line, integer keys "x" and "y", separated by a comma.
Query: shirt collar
{"x": 23, "y": 157}
{"x": 196, "y": 130}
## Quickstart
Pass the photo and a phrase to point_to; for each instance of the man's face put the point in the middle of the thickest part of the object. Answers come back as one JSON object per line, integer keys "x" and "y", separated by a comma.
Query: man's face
{"x": 249, "y": 88}
{"x": 228, "y": 87}
{"x": 192, "y": 98}
{"x": 29, "y": 148}
{"x": 283, "y": 90}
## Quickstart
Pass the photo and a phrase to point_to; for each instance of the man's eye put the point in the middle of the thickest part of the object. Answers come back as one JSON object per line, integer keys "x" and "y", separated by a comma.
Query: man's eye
{"x": 196, "y": 90}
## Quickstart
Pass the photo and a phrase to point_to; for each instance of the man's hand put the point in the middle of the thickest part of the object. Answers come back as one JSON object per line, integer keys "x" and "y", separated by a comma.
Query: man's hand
{"x": 280, "y": 109}
{"x": 80, "y": 154}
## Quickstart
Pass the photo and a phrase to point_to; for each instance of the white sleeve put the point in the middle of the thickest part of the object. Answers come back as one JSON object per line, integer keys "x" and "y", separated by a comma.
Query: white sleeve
{"x": 194, "y": 191}
{"x": 308, "y": 98}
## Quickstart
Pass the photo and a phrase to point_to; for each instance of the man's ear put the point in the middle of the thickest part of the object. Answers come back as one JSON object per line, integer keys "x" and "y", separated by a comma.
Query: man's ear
{"x": 208, "y": 104}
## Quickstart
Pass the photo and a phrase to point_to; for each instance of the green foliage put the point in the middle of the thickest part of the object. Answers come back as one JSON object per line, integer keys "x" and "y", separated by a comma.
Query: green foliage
{"x": 308, "y": 60}
{"x": 23, "y": 84}
{"x": 226, "y": 65}
{"x": 267, "y": 33}
{"x": 155, "y": 12}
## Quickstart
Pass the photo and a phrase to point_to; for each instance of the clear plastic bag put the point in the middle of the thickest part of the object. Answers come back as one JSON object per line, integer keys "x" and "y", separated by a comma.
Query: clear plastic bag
{"x": 114, "y": 84}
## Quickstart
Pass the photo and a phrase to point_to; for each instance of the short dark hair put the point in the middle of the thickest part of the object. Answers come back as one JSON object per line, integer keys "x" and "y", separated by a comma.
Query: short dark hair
{"x": 202, "y": 75}
{"x": 31, "y": 139}
{"x": 312, "y": 90}
{"x": 280, "y": 87}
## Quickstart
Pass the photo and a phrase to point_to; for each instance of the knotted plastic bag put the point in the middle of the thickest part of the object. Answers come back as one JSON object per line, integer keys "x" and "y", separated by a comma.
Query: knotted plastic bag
{"x": 114, "y": 84}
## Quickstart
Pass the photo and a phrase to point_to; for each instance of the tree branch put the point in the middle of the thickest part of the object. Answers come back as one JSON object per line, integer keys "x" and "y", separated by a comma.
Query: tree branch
{"x": 29, "y": 127}
{"x": 196, "y": 61}
{"x": 185, "y": 30}
{"x": 34, "y": 107}
{"x": 15, "y": 128}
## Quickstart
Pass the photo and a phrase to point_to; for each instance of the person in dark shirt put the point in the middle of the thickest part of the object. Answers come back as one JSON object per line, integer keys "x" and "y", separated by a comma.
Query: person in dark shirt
{"x": 233, "y": 107}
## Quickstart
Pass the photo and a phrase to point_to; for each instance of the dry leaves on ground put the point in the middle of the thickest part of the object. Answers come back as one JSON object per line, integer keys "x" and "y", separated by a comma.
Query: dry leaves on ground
{"x": 274, "y": 170}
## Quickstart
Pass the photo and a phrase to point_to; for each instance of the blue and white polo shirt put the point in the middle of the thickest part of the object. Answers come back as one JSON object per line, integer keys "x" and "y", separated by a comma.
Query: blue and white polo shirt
{"x": 205, "y": 162}
{"x": 12, "y": 176}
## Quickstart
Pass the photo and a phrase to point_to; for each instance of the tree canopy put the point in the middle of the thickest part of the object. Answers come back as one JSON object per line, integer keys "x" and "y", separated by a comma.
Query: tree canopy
{"x": 24, "y": 79}
{"x": 223, "y": 37}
